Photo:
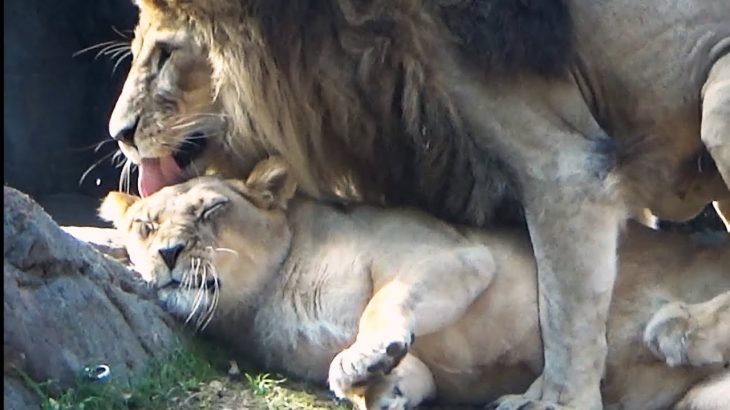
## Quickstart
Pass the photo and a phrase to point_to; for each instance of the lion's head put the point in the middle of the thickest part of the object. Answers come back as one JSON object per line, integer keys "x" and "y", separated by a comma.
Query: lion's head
{"x": 166, "y": 119}
{"x": 207, "y": 240}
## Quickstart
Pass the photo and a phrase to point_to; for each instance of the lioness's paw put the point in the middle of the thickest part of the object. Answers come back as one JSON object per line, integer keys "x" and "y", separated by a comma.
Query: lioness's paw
{"x": 520, "y": 402}
{"x": 355, "y": 366}
{"x": 391, "y": 399}
{"x": 675, "y": 335}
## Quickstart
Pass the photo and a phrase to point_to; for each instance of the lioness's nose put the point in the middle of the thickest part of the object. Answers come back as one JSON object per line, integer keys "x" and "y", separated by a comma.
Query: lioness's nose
{"x": 169, "y": 254}
{"x": 125, "y": 132}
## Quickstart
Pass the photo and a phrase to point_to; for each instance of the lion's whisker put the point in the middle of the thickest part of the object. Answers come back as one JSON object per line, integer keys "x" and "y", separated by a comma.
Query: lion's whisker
{"x": 102, "y": 44}
{"x": 125, "y": 176}
{"x": 94, "y": 165}
{"x": 120, "y": 59}
{"x": 124, "y": 36}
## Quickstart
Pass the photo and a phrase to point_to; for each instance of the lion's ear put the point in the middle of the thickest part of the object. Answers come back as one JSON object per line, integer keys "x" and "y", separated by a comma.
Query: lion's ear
{"x": 272, "y": 182}
{"x": 115, "y": 205}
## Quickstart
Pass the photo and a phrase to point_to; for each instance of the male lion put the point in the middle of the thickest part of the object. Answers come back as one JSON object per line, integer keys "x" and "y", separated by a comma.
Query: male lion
{"x": 325, "y": 293}
{"x": 465, "y": 108}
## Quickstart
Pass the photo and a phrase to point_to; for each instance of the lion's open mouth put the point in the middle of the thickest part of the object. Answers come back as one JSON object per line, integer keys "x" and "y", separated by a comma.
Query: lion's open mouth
{"x": 157, "y": 173}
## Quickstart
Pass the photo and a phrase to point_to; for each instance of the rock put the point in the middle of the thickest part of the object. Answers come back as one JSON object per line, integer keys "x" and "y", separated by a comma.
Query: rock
{"x": 234, "y": 373}
{"x": 106, "y": 240}
{"x": 67, "y": 306}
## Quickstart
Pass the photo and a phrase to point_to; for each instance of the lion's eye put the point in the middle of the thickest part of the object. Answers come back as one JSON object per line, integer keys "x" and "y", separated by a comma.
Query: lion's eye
{"x": 211, "y": 210}
{"x": 164, "y": 55}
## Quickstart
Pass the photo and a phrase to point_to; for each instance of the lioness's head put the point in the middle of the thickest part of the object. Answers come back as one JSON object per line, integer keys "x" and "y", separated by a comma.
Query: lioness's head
{"x": 207, "y": 240}
{"x": 166, "y": 120}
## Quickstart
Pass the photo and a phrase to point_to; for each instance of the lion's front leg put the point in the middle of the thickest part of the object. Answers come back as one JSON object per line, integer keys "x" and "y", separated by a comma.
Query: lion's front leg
{"x": 427, "y": 292}
{"x": 691, "y": 334}
{"x": 574, "y": 234}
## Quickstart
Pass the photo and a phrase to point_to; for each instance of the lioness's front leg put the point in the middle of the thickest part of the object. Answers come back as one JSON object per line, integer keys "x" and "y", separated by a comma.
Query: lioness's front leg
{"x": 422, "y": 293}
{"x": 691, "y": 334}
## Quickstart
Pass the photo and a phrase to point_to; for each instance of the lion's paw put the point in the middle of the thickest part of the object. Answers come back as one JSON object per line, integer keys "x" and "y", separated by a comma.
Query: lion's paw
{"x": 520, "y": 402}
{"x": 675, "y": 335}
{"x": 355, "y": 366}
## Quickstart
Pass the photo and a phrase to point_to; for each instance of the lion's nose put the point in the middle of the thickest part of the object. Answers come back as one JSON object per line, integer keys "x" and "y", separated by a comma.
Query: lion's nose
{"x": 169, "y": 254}
{"x": 125, "y": 133}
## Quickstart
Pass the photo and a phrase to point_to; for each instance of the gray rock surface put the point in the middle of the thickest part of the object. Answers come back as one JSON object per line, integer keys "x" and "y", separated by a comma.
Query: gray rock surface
{"x": 67, "y": 306}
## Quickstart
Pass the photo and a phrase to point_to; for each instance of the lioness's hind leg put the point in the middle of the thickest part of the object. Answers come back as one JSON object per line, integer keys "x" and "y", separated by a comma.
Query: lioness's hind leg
{"x": 711, "y": 394}
{"x": 715, "y": 128}
{"x": 691, "y": 334}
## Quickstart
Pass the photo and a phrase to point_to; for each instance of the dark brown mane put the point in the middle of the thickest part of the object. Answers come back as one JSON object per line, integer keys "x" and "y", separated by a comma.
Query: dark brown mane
{"x": 348, "y": 91}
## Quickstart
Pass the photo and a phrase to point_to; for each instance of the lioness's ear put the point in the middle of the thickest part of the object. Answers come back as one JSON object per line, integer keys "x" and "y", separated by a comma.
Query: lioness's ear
{"x": 271, "y": 180}
{"x": 115, "y": 205}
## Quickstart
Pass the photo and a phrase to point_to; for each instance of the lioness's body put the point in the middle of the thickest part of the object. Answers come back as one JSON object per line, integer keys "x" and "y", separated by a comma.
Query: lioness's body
{"x": 310, "y": 310}
{"x": 298, "y": 286}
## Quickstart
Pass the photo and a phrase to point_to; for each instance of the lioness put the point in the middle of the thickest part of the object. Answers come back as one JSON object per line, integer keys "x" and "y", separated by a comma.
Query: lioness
{"x": 394, "y": 307}
{"x": 574, "y": 110}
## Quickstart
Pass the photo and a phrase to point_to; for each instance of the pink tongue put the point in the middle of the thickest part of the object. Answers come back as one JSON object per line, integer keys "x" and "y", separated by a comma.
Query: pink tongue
{"x": 157, "y": 173}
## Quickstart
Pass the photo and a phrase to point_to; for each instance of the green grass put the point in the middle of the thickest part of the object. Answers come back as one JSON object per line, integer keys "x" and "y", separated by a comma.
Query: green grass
{"x": 279, "y": 393}
{"x": 192, "y": 377}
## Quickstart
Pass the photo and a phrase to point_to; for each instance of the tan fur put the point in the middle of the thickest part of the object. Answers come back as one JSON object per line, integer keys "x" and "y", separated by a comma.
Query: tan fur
{"x": 338, "y": 295}
{"x": 387, "y": 101}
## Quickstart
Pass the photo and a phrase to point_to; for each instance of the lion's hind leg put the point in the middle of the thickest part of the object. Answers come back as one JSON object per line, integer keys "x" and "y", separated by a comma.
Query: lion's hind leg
{"x": 691, "y": 334}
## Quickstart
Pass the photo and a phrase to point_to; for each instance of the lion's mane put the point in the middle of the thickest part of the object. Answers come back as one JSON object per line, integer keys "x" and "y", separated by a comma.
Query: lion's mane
{"x": 349, "y": 91}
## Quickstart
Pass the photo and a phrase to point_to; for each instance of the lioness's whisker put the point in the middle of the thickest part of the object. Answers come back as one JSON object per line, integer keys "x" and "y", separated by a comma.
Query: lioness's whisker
{"x": 204, "y": 291}
{"x": 216, "y": 297}
{"x": 196, "y": 302}
{"x": 231, "y": 251}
